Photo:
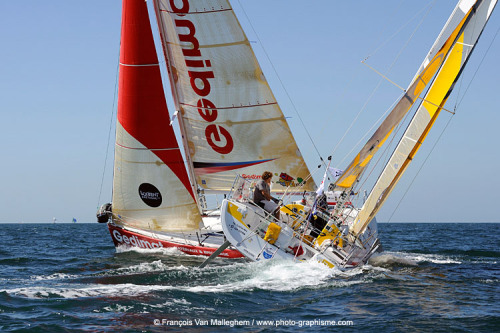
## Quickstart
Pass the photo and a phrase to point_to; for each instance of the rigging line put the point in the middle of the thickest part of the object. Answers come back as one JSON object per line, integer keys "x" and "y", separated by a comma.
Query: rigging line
{"x": 162, "y": 55}
{"x": 352, "y": 79}
{"x": 403, "y": 26}
{"x": 399, "y": 54}
{"x": 110, "y": 129}
{"x": 382, "y": 32}
{"x": 439, "y": 107}
{"x": 369, "y": 131}
{"x": 342, "y": 96}
{"x": 386, "y": 152}
{"x": 449, "y": 121}
{"x": 354, "y": 121}
{"x": 281, "y": 82}
{"x": 456, "y": 107}
{"x": 477, "y": 69}
{"x": 166, "y": 84}
{"x": 347, "y": 88}
{"x": 383, "y": 76}
{"x": 469, "y": 49}
{"x": 378, "y": 85}
{"x": 420, "y": 169}
{"x": 457, "y": 104}
{"x": 289, "y": 195}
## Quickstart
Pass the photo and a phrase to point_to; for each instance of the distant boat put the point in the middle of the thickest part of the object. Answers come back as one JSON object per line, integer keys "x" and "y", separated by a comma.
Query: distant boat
{"x": 54, "y": 220}
{"x": 229, "y": 120}
{"x": 74, "y": 220}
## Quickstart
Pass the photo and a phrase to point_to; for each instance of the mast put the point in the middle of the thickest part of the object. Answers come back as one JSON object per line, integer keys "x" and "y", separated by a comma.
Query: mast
{"x": 423, "y": 77}
{"x": 170, "y": 70}
{"x": 473, "y": 18}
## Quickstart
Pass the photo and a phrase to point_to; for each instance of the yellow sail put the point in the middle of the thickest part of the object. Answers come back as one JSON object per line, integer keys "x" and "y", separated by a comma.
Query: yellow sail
{"x": 416, "y": 87}
{"x": 426, "y": 115}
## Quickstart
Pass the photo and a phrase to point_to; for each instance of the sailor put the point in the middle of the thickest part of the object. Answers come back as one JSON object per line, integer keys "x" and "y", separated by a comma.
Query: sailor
{"x": 262, "y": 195}
{"x": 317, "y": 220}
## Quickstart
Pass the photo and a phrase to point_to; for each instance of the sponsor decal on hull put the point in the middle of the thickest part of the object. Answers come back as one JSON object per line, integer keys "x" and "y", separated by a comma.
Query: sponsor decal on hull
{"x": 267, "y": 255}
{"x": 134, "y": 241}
{"x": 127, "y": 238}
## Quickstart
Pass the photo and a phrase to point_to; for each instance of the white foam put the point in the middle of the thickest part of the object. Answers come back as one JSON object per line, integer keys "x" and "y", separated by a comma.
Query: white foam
{"x": 118, "y": 308}
{"x": 123, "y": 290}
{"x": 55, "y": 276}
{"x": 371, "y": 268}
{"x": 485, "y": 261}
{"x": 154, "y": 266}
{"x": 434, "y": 258}
{"x": 167, "y": 304}
{"x": 267, "y": 275}
{"x": 278, "y": 276}
{"x": 172, "y": 251}
{"x": 272, "y": 275}
{"x": 409, "y": 258}
{"x": 386, "y": 259}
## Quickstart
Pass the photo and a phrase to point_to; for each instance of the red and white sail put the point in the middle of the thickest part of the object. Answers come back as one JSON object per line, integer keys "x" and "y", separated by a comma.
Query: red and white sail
{"x": 230, "y": 120}
{"x": 151, "y": 188}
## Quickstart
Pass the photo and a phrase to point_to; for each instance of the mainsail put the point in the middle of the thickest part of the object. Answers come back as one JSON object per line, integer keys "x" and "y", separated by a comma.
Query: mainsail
{"x": 465, "y": 27}
{"x": 151, "y": 188}
{"x": 230, "y": 120}
{"x": 427, "y": 71}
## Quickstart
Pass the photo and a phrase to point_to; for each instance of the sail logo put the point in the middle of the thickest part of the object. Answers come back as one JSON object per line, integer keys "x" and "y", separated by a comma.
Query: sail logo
{"x": 217, "y": 136}
{"x": 150, "y": 195}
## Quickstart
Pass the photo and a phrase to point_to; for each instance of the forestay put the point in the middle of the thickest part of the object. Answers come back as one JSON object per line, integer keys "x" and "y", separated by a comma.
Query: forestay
{"x": 230, "y": 120}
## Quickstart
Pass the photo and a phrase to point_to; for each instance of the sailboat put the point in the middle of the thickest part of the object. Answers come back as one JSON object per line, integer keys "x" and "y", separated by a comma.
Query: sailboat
{"x": 229, "y": 120}
{"x": 343, "y": 236}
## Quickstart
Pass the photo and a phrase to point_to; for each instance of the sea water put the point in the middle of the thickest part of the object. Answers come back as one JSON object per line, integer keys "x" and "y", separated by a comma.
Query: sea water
{"x": 69, "y": 277}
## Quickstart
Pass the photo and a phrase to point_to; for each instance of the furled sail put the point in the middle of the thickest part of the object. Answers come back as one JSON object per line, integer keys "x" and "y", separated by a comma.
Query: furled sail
{"x": 427, "y": 71}
{"x": 230, "y": 120}
{"x": 474, "y": 15}
{"x": 151, "y": 188}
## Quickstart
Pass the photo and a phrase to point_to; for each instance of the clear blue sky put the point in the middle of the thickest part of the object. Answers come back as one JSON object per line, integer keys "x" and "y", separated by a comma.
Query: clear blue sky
{"x": 57, "y": 94}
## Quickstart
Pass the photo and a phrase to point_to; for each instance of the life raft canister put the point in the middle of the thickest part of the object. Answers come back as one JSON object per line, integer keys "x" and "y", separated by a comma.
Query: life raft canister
{"x": 272, "y": 233}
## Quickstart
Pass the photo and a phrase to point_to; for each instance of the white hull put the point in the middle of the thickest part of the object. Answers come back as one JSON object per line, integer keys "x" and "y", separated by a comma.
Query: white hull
{"x": 245, "y": 226}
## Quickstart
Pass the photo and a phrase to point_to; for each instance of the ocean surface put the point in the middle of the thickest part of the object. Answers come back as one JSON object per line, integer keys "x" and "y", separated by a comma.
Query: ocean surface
{"x": 69, "y": 277}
